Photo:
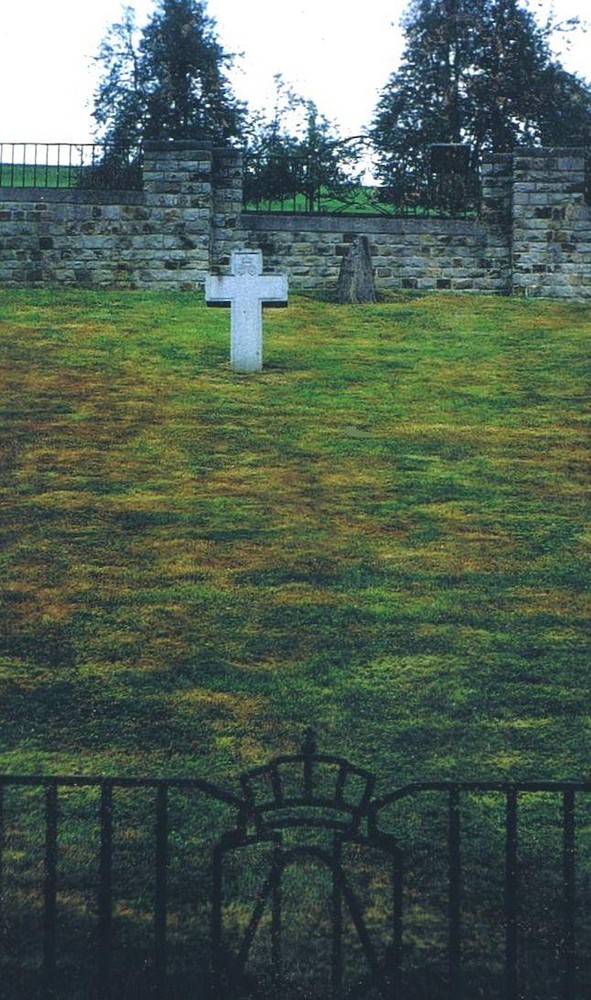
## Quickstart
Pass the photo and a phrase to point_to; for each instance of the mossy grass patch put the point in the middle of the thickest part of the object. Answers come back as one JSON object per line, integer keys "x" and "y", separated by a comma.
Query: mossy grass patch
{"x": 382, "y": 535}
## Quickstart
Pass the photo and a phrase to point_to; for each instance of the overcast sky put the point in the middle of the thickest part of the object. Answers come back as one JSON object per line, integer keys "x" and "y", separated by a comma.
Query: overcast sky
{"x": 336, "y": 52}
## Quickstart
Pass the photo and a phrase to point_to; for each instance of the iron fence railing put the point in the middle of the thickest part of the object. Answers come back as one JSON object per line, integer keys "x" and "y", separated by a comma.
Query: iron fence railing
{"x": 296, "y": 183}
{"x": 523, "y": 836}
{"x": 68, "y": 165}
{"x": 303, "y": 884}
{"x": 272, "y": 183}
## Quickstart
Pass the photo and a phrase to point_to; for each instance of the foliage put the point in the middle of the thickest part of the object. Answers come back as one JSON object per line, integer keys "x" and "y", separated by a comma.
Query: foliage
{"x": 118, "y": 101}
{"x": 478, "y": 72}
{"x": 297, "y": 153}
{"x": 115, "y": 169}
{"x": 166, "y": 81}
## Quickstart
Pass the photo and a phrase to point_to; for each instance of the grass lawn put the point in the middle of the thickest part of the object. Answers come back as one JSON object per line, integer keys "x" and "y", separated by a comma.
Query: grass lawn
{"x": 40, "y": 175}
{"x": 383, "y": 536}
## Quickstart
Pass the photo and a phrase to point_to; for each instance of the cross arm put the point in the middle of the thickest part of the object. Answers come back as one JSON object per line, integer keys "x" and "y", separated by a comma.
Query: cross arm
{"x": 274, "y": 290}
{"x": 219, "y": 289}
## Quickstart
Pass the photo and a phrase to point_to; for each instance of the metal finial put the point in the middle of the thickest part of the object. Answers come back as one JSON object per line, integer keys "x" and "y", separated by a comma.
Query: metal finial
{"x": 309, "y": 746}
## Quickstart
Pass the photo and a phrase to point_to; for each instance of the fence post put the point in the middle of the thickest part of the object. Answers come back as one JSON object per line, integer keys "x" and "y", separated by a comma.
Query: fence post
{"x": 511, "y": 889}
{"x": 568, "y": 945}
{"x": 160, "y": 909}
{"x": 105, "y": 900}
{"x": 50, "y": 891}
{"x": 455, "y": 894}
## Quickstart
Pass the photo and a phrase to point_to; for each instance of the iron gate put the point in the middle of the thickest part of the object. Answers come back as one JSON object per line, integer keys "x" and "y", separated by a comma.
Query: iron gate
{"x": 324, "y": 801}
{"x": 305, "y": 883}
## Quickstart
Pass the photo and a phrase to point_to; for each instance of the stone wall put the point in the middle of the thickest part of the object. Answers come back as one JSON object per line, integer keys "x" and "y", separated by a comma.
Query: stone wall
{"x": 551, "y": 224}
{"x": 407, "y": 253}
{"x": 533, "y": 235}
{"x": 156, "y": 238}
{"x": 413, "y": 253}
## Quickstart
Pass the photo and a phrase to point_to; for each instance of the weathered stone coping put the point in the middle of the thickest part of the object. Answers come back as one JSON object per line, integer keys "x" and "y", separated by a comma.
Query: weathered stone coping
{"x": 302, "y": 221}
{"x": 71, "y": 196}
{"x": 179, "y": 145}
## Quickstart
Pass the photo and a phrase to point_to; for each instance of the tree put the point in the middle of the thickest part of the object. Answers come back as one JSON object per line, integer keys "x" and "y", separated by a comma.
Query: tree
{"x": 296, "y": 152}
{"x": 273, "y": 145}
{"x": 118, "y": 106}
{"x": 167, "y": 81}
{"x": 478, "y": 72}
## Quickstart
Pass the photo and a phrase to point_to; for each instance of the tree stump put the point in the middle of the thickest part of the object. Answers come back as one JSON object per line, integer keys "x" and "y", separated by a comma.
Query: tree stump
{"x": 356, "y": 278}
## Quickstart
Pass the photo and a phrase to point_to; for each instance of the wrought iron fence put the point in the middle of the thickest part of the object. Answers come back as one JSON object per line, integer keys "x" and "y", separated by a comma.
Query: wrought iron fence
{"x": 303, "y": 884}
{"x": 449, "y": 187}
{"x": 68, "y": 165}
{"x": 306, "y": 180}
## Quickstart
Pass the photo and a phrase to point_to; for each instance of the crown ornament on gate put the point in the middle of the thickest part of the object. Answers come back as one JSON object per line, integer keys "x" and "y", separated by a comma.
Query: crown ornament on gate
{"x": 307, "y": 789}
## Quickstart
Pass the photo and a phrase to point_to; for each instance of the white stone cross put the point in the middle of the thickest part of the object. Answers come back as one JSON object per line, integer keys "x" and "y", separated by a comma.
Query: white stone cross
{"x": 246, "y": 290}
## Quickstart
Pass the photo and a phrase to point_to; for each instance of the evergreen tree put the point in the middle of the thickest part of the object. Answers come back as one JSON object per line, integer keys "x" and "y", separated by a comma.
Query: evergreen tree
{"x": 478, "y": 72}
{"x": 167, "y": 81}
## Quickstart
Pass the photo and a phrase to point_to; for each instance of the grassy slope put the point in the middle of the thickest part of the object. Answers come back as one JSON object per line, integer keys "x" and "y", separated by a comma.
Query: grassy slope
{"x": 382, "y": 535}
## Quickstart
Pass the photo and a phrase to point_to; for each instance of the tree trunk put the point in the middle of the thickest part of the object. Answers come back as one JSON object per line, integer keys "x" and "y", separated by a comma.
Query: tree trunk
{"x": 356, "y": 279}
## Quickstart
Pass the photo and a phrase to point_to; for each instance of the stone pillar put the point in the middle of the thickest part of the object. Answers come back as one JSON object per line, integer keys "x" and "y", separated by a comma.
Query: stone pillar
{"x": 178, "y": 195}
{"x": 496, "y": 215}
{"x": 227, "y": 183}
{"x": 551, "y": 224}
{"x": 497, "y": 188}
